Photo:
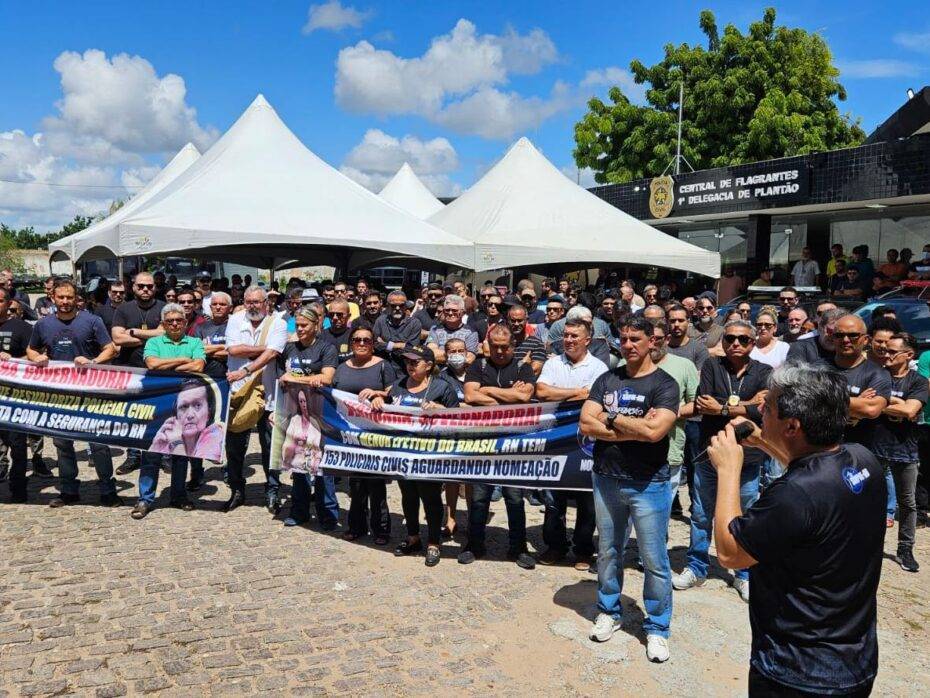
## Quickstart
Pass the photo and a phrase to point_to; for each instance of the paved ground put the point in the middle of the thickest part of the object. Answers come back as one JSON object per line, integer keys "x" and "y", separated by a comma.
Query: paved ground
{"x": 94, "y": 603}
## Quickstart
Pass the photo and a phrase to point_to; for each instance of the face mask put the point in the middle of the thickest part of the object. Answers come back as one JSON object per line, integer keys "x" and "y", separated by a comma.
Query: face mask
{"x": 456, "y": 361}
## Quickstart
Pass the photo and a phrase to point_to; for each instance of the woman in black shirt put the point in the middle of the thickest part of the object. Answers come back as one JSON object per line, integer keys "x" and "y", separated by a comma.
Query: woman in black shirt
{"x": 418, "y": 389}
{"x": 365, "y": 371}
{"x": 310, "y": 361}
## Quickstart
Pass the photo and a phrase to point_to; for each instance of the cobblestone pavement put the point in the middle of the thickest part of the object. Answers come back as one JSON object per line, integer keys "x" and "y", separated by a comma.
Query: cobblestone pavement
{"x": 206, "y": 603}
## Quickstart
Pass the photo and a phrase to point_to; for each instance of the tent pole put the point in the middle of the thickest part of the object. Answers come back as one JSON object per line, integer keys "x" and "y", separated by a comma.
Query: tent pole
{"x": 119, "y": 269}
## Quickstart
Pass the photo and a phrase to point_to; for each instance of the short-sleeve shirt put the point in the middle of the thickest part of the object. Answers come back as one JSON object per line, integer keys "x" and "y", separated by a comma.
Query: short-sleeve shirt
{"x": 686, "y": 375}
{"x": 130, "y": 316}
{"x": 560, "y": 372}
{"x": 693, "y": 351}
{"x": 486, "y": 374}
{"x": 895, "y": 438}
{"x": 440, "y": 334}
{"x": 65, "y": 340}
{"x": 809, "y": 351}
{"x": 240, "y": 331}
{"x": 14, "y": 336}
{"x": 618, "y": 393}
{"x": 426, "y": 320}
{"x": 805, "y": 272}
{"x": 355, "y": 380}
{"x": 210, "y": 332}
{"x": 339, "y": 341}
{"x": 438, "y": 391}
{"x": 457, "y": 385}
{"x": 163, "y": 347}
{"x": 818, "y": 534}
{"x": 533, "y": 346}
{"x": 923, "y": 368}
{"x": 859, "y": 379}
{"x": 307, "y": 361}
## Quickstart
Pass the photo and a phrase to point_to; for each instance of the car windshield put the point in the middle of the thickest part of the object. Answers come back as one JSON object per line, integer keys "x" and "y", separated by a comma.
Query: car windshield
{"x": 914, "y": 317}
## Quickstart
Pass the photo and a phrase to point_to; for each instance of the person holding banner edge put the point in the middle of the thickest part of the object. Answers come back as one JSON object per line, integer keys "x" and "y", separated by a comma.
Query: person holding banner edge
{"x": 630, "y": 412}
{"x": 14, "y": 340}
{"x": 175, "y": 351}
{"x": 82, "y": 338}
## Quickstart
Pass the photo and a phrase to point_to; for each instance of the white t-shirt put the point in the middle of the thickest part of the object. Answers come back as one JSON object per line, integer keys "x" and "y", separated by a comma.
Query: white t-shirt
{"x": 239, "y": 330}
{"x": 560, "y": 372}
{"x": 805, "y": 272}
{"x": 774, "y": 358}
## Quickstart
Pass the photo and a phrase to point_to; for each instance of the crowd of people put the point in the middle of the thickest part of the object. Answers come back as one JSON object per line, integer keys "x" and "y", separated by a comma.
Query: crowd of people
{"x": 663, "y": 381}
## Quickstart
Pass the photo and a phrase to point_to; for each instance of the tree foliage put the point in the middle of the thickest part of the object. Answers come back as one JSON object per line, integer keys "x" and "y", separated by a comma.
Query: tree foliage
{"x": 29, "y": 239}
{"x": 765, "y": 94}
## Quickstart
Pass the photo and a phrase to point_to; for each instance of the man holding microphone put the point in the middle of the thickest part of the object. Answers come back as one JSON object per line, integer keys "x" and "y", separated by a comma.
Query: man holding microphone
{"x": 812, "y": 542}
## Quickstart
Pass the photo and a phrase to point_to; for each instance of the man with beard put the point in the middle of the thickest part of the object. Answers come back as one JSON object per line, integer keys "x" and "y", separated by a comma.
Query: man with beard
{"x": 555, "y": 311}
{"x": 134, "y": 323}
{"x": 395, "y": 331}
{"x": 372, "y": 310}
{"x": 788, "y": 300}
{"x": 534, "y": 314}
{"x": 529, "y": 348}
{"x": 709, "y": 332}
{"x": 452, "y": 327}
{"x": 338, "y": 331}
{"x": 795, "y": 325}
{"x": 254, "y": 339}
{"x": 430, "y": 315}
{"x": 82, "y": 339}
{"x": 819, "y": 349}
{"x": 116, "y": 295}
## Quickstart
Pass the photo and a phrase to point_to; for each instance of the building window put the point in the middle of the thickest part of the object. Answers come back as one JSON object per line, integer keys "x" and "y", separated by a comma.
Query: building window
{"x": 882, "y": 234}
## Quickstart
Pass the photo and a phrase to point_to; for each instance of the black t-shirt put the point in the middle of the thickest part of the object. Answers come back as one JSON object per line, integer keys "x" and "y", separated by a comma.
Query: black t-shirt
{"x": 719, "y": 381}
{"x": 212, "y": 333}
{"x": 105, "y": 313}
{"x": 809, "y": 351}
{"x": 618, "y": 393}
{"x": 340, "y": 341}
{"x": 438, "y": 391}
{"x": 355, "y": 380}
{"x": 817, "y": 533}
{"x": 457, "y": 385}
{"x": 131, "y": 316}
{"x": 14, "y": 337}
{"x": 485, "y": 373}
{"x": 65, "y": 340}
{"x": 895, "y": 439}
{"x": 307, "y": 361}
{"x": 426, "y": 320}
{"x": 859, "y": 379}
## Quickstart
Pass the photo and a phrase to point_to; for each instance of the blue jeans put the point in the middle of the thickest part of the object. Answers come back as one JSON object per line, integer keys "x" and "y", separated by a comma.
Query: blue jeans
{"x": 148, "y": 477}
{"x": 478, "y": 516}
{"x": 771, "y": 471}
{"x": 692, "y": 449}
{"x": 702, "y": 512}
{"x": 892, "y": 507}
{"x": 324, "y": 495}
{"x": 68, "y": 468}
{"x": 647, "y": 505}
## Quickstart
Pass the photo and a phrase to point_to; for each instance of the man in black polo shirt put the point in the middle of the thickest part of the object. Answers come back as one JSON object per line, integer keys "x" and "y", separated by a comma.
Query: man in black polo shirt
{"x": 431, "y": 314}
{"x": 14, "y": 339}
{"x": 133, "y": 323}
{"x": 394, "y": 331}
{"x": 338, "y": 331}
{"x": 813, "y": 541}
{"x": 116, "y": 296}
{"x": 731, "y": 386}
{"x": 818, "y": 349}
{"x": 495, "y": 380}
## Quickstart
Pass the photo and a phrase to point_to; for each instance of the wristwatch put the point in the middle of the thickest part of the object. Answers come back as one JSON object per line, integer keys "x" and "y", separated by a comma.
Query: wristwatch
{"x": 132, "y": 331}
{"x": 611, "y": 419}
{"x": 725, "y": 411}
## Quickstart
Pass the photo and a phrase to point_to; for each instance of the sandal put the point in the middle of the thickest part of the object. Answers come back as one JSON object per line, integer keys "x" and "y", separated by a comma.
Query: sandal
{"x": 407, "y": 547}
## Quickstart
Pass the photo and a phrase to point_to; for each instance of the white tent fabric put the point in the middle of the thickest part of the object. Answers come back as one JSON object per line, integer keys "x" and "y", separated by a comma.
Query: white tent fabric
{"x": 525, "y": 212}
{"x": 261, "y": 194}
{"x": 101, "y": 240}
{"x": 407, "y": 191}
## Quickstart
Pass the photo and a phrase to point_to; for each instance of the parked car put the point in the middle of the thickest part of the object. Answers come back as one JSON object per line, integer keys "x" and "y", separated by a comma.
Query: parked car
{"x": 911, "y": 303}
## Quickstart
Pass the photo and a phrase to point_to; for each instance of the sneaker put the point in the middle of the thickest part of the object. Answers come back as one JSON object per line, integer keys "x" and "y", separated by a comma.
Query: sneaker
{"x": 657, "y": 648}
{"x": 497, "y": 493}
{"x": 687, "y": 579}
{"x": 905, "y": 558}
{"x": 604, "y": 627}
{"x": 469, "y": 555}
{"x": 742, "y": 588}
{"x": 552, "y": 556}
{"x": 525, "y": 561}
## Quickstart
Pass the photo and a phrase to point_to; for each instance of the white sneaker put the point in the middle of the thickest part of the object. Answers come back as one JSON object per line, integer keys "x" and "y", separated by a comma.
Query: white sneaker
{"x": 687, "y": 579}
{"x": 742, "y": 588}
{"x": 657, "y": 649}
{"x": 604, "y": 627}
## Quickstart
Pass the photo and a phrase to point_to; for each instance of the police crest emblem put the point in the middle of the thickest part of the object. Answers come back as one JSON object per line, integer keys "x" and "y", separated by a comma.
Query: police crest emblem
{"x": 661, "y": 196}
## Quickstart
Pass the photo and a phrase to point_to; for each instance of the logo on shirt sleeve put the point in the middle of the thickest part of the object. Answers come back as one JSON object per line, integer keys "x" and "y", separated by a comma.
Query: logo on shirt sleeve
{"x": 855, "y": 479}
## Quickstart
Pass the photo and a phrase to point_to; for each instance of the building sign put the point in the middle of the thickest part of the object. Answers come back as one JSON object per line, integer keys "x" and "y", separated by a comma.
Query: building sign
{"x": 729, "y": 188}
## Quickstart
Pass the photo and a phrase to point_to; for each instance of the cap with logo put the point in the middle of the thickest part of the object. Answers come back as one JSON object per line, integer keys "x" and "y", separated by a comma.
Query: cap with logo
{"x": 416, "y": 353}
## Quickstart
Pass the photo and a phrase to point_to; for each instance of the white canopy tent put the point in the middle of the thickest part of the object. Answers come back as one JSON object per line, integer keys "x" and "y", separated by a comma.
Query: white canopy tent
{"x": 407, "y": 191}
{"x": 260, "y": 195}
{"x": 525, "y": 212}
{"x": 101, "y": 240}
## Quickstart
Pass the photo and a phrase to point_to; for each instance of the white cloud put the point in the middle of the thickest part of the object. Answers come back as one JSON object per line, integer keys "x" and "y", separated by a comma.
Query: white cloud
{"x": 526, "y": 54}
{"x": 111, "y": 107}
{"x": 915, "y": 41}
{"x": 491, "y": 113}
{"x": 333, "y": 16}
{"x": 876, "y": 68}
{"x": 378, "y": 156}
{"x": 622, "y": 78}
{"x": 583, "y": 177}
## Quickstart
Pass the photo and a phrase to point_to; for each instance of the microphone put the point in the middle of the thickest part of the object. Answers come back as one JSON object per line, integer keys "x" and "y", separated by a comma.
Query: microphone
{"x": 741, "y": 431}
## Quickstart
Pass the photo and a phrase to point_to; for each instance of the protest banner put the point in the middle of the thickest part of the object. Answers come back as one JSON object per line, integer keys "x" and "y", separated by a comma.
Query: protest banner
{"x": 533, "y": 446}
{"x": 162, "y": 411}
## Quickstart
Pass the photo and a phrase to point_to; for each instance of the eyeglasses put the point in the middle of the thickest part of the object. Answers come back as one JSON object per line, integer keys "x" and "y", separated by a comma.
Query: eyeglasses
{"x": 187, "y": 302}
{"x": 362, "y": 340}
{"x": 765, "y": 325}
{"x": 175, "y": 321}
{"x": 527, "y": 299}
{"x": 434, "y": 295}
{"x": 851, "y": 336}
{"x": 336, "y": 314}
{"x": 397, "y": 306}
{"x": 743, "y": 339}
{"x": 787, "y": 298}
{"x": 499, "y": 306}
{"x": 452, "y": 311}
{"x": 117, "y": 293}
{"x": 145, "y": 287}
{"x": 553, "y": 309}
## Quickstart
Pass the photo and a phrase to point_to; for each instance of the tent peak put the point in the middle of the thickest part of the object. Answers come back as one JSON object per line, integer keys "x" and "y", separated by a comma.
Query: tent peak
{"x": 260, "y": 101}
{"x": 189, "y": 148}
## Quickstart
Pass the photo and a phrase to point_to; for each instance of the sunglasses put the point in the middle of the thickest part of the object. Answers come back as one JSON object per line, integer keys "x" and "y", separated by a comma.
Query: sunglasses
{"x": 554, "y": 308}
{"x": 498, "y": 305}
{"x": 188, "y": 302}
{"x": 787, "y": 298}
{"x": 145, "y": 287}
{"x": 526, "y": 299}
{"x": 336, "y": 314}
{"x": 434, "y": 295}
{"x": 362, "y": 340}
{"x": 851, "y": 336}
{"x": 743, "y": 339}
{"x": 118, "y": 293}
{"x": 175, "y": 321}
{"x": 396, "y": 306}
{"x": 765, "y": 325}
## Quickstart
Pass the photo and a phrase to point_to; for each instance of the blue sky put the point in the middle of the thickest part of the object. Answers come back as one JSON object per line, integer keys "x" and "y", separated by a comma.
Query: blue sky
{"x": 98, "y": 94}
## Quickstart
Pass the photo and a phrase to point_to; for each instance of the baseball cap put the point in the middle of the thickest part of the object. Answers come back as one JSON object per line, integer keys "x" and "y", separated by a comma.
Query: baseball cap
{"x": 556, "y": 298}
{"x": 424, "y": 353}
{"x": 309, "y": 294}
{"x": 203, "y": 275}
{"x": 510, "y": 299}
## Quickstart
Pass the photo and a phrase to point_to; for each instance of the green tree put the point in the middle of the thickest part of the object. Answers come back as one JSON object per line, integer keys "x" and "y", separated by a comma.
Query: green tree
{"x": 765, "y": 94}
{"x": 29, "y": 239}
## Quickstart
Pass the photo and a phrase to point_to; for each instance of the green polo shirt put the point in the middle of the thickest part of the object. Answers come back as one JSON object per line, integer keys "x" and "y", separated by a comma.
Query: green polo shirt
{"x": 163, "y": 347}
